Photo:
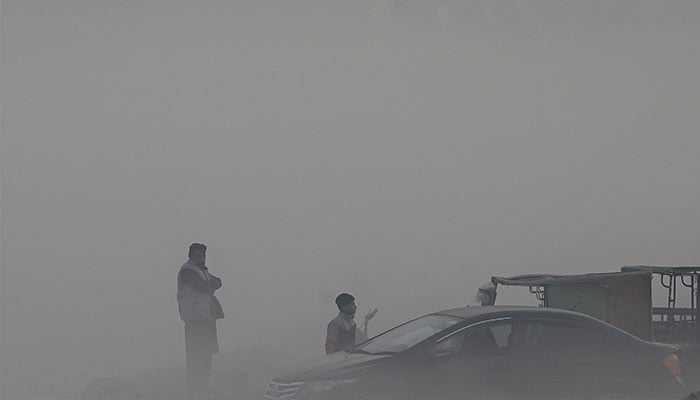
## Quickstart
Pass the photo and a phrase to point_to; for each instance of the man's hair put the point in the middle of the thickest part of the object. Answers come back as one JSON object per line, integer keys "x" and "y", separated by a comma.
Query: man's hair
{"x": 343, "y": 300}
{"x": 196, "y": 247}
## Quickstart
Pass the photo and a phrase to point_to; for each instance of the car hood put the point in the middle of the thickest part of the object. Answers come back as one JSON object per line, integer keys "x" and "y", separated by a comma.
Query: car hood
{"x": 329, "y": 367}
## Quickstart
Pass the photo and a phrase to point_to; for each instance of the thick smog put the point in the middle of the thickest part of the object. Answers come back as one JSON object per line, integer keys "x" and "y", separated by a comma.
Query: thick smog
{"x": 348, "y": 200}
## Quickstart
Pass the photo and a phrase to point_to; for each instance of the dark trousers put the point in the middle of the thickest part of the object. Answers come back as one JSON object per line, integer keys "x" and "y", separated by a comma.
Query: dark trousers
{"x": 200, "y": 343}
{"x": 198, "y": 368}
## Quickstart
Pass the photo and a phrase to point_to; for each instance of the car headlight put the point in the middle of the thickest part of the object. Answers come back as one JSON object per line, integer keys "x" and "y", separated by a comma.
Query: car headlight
{"x": 323, "y": 386}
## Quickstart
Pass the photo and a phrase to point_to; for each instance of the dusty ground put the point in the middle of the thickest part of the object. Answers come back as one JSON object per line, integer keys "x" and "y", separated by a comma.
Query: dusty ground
{"x": 241, "y": 375}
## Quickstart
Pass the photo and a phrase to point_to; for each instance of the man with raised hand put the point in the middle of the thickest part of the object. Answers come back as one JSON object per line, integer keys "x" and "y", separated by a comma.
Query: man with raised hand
{"x": 340, "y": 333}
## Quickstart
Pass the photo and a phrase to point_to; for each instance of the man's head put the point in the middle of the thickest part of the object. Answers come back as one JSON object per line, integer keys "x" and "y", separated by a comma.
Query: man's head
{"x": 346, "y": 304}
{"x": 198, "y": 254}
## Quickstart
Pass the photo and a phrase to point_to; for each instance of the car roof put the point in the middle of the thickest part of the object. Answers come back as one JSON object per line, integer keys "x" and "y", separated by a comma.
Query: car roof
{"x": 495, "y": 311}
{"x": 486, "y": 312}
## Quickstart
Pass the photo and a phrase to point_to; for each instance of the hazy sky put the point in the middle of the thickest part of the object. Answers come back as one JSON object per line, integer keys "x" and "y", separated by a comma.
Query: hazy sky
{"x": 403, "y": 151}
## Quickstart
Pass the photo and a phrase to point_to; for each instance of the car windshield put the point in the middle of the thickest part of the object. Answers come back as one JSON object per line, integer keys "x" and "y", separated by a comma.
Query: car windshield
{"x": 407, "y": 335}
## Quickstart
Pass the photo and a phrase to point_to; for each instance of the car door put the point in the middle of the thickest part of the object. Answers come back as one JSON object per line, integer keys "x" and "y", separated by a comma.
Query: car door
{"x": 555, "y": 358}
{"x": 472, "y": 361}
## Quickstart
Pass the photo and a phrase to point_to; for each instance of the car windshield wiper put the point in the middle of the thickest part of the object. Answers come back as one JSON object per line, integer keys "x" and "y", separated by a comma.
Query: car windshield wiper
{"x": 385, "y": 353}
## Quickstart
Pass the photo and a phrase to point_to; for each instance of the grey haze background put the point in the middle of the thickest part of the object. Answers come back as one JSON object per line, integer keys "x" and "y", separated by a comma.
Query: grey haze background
{"x": 404, "y": 151}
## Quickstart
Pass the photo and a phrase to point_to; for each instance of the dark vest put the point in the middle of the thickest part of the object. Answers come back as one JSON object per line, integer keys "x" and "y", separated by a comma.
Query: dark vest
{"x": 346, "y": 339}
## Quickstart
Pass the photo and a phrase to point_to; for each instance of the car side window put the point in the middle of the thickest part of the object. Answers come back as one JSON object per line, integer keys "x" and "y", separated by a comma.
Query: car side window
{"x": 478, "y": 341}
{"x": 450, "y": 346}
{"x": 487, "y": 340}
{"x": 564, "y": 339}
{"x": 501, "y": 333}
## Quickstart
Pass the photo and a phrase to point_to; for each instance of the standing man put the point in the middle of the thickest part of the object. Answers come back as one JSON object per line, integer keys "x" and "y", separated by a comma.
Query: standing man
{"x": 199, "y": 309}
{"x": 340, "y": 334}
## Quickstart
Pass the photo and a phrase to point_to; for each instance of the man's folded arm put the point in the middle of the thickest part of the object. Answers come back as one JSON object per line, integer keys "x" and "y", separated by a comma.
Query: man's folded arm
{"x": 191, "y": 278}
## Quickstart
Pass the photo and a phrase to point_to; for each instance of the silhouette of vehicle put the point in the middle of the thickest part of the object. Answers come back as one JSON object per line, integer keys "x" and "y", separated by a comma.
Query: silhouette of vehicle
{"x": 624, "y": 299}
{"x": 488, "y": 352}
